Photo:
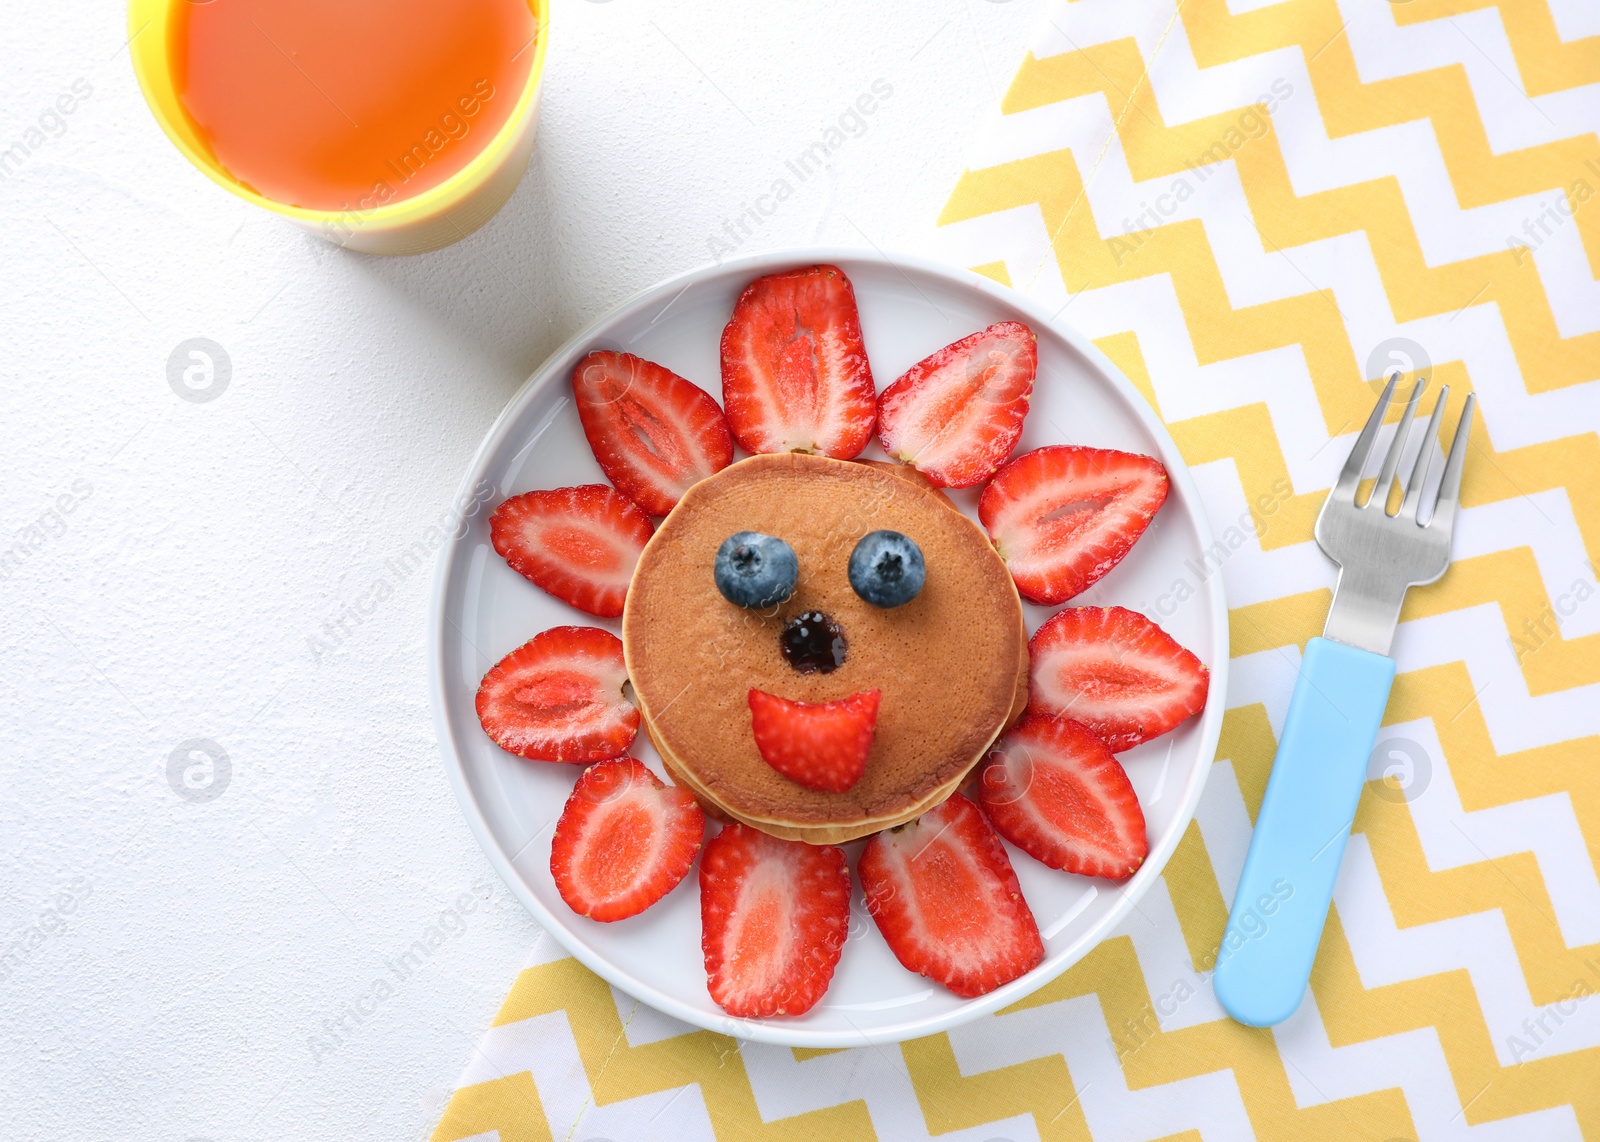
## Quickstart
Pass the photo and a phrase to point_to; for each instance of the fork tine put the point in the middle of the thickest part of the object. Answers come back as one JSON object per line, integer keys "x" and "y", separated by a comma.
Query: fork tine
{"x": 1424, "y": 462}
{"x": 1391, "y": 459}
{"x": 1350, "y": 475}
{"x": 1444, "y": 511}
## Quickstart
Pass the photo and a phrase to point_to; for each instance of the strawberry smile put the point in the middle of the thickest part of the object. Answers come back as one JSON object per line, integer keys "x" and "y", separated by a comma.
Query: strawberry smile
{"x": 821, "y": 745}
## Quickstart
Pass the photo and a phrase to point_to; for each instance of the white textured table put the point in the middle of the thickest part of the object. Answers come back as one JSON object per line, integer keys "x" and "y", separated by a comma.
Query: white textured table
{"x": 192, "y": 949}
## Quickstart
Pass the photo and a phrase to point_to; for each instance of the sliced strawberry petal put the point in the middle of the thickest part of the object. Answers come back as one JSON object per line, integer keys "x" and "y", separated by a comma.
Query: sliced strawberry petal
{"x": 624, "y": 840}
{"x": 774, "y": 915}
{"x": 956, "y": 416}
{"x": 654, "y": 433}
{"x": 821, "y": 745}
{"x": 558, "y": 697}
{"x": 1052, "y": 788}
{"x": 1116, "y": 672}
{"x": 944, "y": 895}
{"x": 1062, "y": 516}
{"x": 580, "y": 544}
{"x": 795, "y": 376}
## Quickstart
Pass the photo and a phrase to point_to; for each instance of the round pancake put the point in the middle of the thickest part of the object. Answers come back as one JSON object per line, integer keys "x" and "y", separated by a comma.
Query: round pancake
{"x": 907, "y": 472}
{"x": 951, "y": 664}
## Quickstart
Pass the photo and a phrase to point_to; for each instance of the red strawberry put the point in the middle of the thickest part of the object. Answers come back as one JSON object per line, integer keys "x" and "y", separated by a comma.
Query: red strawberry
{"x": 1062, "y": 516}
{"x": 1052, "y": 788}
{"x": 1116, "y": 672}
{"x": 821, "y": 745}
{"x": 947, "y": 902}
{"x": 580, "y": 544}
{"x": 653, "y": 432}
{"x": 558, "y": 697}
{"x": 624, "y": 840}
{"x": 956, "y": 416}
{"x": 795, "y": 376}
{"x": 773, "y": 918}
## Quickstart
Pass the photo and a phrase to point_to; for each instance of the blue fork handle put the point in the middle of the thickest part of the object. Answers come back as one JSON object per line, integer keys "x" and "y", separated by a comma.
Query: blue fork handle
{"x": 1265, "y": 958}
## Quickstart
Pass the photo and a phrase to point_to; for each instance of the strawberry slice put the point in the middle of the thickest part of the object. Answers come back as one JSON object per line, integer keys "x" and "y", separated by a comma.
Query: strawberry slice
{"x": 1116, "y": 672}
{"x": 654, "y": 433}
{"x": 558, "y": 697}
{"x": 795, "y": 376}
{"x": 943, "y": 893}
{"x": 956, "y": 416}
{"x": 1052, "y": 788}
{"x": 1062, "y": 516}
{"x": 773, "y": 919}
{"x": 821, "y": 745}
{"x": 624, "y": 840}
{"x": 580, "y": 544}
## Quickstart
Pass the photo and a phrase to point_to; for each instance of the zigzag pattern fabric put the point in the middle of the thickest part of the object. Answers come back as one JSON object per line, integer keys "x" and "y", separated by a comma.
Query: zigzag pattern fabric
{"x": 1258, "y": 210}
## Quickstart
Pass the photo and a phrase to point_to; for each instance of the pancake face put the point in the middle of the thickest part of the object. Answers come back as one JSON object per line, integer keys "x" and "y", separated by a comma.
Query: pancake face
{"x": 951, "y": 664}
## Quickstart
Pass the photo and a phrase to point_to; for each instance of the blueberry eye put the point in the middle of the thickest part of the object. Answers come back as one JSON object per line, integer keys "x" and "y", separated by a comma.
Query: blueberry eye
{"x": 755, "y": 570}
{"x": 886, "y": 568}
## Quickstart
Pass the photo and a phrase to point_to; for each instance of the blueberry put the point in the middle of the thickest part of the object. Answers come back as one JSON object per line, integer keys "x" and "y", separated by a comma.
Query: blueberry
{"x": 886, "y": 568}
{"x": 755, "y": 570}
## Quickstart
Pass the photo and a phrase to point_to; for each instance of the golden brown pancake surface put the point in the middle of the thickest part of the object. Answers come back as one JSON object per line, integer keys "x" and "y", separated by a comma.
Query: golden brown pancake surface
{"x": 951, "y": 664}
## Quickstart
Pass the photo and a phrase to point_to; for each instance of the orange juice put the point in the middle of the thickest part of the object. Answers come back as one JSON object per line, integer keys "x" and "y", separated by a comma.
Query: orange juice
{"x": 348, "y": 104}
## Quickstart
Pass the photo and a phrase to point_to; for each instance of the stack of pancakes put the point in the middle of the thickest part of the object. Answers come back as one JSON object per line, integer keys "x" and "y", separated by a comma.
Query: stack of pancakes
{"x": 952, "y": 664}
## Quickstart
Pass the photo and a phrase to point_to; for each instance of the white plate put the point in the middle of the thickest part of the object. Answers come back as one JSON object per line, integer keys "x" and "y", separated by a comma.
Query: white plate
{"x": 482, "y": 610}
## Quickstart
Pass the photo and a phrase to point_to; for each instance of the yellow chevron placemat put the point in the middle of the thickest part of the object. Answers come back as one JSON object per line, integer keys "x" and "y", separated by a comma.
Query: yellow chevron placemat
{"x": 1259, "y": 209}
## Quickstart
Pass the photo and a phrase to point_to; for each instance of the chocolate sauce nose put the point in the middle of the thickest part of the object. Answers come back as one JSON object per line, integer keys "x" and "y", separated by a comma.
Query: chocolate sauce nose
{"x": 813, "y": 643}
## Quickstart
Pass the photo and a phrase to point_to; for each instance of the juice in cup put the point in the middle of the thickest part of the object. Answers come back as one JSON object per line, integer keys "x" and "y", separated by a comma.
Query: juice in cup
{"x": 392, "y": 126}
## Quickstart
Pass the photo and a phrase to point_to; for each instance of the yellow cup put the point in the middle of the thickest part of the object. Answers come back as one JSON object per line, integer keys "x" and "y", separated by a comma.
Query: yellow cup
{"x": 438, "y": 216}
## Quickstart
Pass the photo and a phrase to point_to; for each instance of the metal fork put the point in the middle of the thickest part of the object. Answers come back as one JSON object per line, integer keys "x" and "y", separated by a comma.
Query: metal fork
{"x": 1310, "y": 802}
